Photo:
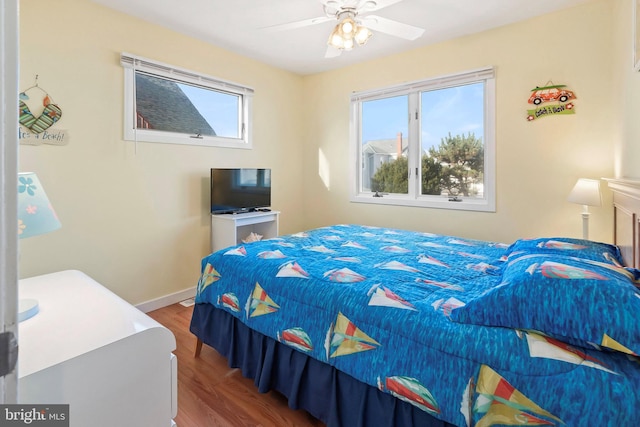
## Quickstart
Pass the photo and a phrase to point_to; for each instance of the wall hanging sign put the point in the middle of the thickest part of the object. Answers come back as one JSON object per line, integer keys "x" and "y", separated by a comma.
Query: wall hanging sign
{"x": 550, "y": 100}
{"x": 35, "y": 128}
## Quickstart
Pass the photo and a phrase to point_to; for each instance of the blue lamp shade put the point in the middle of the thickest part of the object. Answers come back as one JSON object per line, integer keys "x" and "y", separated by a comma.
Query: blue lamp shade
{"x": 35, "y": 213}
{"x": 35, "y": 216}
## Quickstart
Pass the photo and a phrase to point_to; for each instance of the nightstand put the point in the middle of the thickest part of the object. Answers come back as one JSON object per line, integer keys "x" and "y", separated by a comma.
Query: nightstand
{"x": 90, "y": 349}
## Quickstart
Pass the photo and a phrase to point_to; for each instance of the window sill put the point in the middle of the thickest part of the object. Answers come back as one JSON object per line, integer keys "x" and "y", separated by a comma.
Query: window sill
{"x": 168, "y": 138}
{"x": 480, "y": 205}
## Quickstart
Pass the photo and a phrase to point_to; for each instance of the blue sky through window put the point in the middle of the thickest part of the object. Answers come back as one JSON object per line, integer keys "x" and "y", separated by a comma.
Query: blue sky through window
{"x": 384, "y": 118}
{"x": 219, "y": 109}
{"x": 458, "y": 110}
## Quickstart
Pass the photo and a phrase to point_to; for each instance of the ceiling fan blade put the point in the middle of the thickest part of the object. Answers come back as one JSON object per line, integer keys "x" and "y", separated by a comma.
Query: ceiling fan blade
{"x": 299, "y": 24}
{"x": 391, "y": 27}
{"x": 332, "y": 52}
{"x": 372, "y": 5}
{"x": 331, "y": 7}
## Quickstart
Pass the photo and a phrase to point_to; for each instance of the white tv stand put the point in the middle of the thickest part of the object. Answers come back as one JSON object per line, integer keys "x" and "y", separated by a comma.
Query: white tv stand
{"x": 230, "y": 229}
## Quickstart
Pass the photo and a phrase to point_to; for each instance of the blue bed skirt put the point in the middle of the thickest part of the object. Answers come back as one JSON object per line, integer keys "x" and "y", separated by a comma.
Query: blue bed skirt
{"x": 332, "y": 396}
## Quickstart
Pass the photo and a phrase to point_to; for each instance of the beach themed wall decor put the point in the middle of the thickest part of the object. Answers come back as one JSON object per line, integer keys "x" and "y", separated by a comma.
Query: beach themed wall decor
{"x": 36, "y": 124}
{"x": 550, "y": 100}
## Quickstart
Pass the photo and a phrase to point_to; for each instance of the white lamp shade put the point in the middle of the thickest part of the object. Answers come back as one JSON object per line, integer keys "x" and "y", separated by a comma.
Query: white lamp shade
{"x": 586, "y": 192}
{"x": 35, "y": 213}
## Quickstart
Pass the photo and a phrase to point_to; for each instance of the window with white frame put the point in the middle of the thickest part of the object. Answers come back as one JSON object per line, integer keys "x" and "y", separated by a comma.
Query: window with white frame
{"x": 429, "y": 143}
{"x": 173, "y": 105}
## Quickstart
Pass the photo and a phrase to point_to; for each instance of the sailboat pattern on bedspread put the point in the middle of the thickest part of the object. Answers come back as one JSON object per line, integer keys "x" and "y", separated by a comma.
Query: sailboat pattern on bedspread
{"x": 377, "y": 304}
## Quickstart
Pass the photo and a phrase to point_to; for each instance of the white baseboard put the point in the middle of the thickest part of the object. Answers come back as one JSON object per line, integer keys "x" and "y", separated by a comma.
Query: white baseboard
{"x": 166, "y": 300}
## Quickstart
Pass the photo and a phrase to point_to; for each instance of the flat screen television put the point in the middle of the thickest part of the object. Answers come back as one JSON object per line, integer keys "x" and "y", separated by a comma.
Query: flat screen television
{"x": 240, "y": 190}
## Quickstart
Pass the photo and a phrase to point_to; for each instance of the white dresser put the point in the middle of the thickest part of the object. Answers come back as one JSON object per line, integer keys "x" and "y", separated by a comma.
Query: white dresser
{"x": 90, "y": 349}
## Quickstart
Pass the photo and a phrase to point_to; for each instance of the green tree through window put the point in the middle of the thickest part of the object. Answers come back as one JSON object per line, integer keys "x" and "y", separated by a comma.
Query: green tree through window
{"x": 461, "y": 159}
{"x": 453, "y": 167}
{"x": 391, "y": 177}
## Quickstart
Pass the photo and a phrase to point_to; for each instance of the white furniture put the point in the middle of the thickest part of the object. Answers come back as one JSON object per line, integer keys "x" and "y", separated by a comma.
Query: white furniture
{"x": 230, "y": 229}
{"x": 92, "y": 350}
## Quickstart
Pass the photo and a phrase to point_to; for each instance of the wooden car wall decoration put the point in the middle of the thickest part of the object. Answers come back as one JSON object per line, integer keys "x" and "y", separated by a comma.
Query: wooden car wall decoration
{"x": 550, "y": 100}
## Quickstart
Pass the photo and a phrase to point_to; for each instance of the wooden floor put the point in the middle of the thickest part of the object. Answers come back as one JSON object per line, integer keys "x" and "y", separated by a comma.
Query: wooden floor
{"x": 212, "y": 394}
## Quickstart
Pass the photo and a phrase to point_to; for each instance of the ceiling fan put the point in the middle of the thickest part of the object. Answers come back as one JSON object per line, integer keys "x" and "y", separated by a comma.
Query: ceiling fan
{"x": 354, "y": 24}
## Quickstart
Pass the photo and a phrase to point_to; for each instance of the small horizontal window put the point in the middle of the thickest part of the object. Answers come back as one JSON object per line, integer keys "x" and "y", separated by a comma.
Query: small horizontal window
{"x": 171, "y": 105}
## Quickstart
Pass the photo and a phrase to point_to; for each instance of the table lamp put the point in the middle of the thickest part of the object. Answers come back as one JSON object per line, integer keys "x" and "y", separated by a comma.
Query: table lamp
{"x": 586, "y": 192}
{"x": 35, "y": 216}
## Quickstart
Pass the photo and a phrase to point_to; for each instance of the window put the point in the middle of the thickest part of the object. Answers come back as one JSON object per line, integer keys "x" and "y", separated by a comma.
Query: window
{"x": 172, "y": 105}
{"x": 258, "y": 178}
{"x": 429, "y": 143}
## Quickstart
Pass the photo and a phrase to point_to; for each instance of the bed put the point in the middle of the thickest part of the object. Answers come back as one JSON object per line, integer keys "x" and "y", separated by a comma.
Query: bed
{"x": 369, "y": 326}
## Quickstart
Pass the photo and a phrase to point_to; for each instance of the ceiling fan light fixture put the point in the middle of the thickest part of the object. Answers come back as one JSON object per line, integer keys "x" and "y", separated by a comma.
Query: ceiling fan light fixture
{"x": 348, "y": 17}
{"x": 335, "y": 39}
{"x": 348, "y": 32}
{"x": 348, "y": 27}
{"x": 348, "y": 44}
{"x": 363, "y": 34}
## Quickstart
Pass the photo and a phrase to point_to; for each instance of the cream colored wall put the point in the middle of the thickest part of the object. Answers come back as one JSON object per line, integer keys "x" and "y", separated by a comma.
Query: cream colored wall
{"x": 626, "y": 87}
{"x": 537, "y": 162}
{"x": 138, "y": 221}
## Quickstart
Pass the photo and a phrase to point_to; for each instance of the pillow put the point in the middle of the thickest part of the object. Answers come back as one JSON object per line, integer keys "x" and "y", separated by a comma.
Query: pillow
{"x": 565, "y": 246}
{"x": 579, "y": 301}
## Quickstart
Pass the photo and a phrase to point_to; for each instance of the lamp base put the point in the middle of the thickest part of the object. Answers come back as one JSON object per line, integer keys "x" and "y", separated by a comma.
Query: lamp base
{"x": 585, "y": 223}
{"x": 27, "y": 308}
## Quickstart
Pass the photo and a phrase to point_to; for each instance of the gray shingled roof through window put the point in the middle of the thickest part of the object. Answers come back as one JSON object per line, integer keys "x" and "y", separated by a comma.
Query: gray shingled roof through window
{"x": 165, "y": 107}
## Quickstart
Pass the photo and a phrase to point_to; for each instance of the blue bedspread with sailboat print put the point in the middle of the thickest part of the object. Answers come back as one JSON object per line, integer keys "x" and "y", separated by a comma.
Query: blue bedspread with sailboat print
{"x": 380, "y": 305}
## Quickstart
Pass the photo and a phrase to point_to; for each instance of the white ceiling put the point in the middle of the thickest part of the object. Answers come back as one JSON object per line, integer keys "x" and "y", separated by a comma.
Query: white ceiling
{"x": 239, "y": 25}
